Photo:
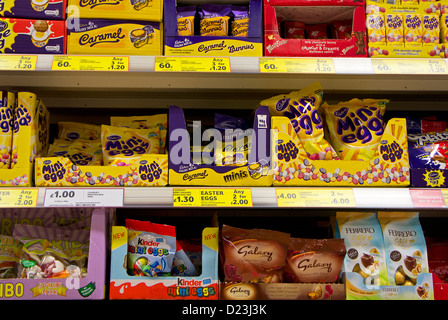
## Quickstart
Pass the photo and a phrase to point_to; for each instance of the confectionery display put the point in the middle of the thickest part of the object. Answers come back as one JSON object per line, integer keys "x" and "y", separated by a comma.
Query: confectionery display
{"x": 286, "y": 144}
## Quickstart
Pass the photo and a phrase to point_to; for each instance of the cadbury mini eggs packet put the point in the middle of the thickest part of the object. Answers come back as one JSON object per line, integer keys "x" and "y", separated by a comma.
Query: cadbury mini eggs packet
{"x": 151, "y": 248}
{"x": 124, "y": 146}
{"x": 354, "y": 128}
{"x": 300, "y": 107}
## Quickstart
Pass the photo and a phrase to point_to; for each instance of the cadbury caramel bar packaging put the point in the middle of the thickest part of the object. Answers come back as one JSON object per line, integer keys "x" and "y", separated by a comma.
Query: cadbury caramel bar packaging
{"x": 96, "y": 36}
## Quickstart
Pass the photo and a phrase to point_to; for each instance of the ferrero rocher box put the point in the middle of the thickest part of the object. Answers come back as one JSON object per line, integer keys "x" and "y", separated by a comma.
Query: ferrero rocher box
{"x": 356, "y": 289}
{"x": 388, "y": 167}
{"x": 282, "y": 291}
{"x": 102, "y": 36}
{"x": 251, "y": 171}
{"x": 143, "y": 10}
{"x": 151, "y": 170}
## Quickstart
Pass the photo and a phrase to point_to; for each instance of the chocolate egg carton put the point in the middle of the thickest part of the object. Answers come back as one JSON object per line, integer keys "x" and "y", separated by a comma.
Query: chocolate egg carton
{"x": 314, "y": 13}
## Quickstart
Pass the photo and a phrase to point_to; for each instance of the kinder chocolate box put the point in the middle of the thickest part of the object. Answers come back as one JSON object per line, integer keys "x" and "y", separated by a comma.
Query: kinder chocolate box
{"x": 32, "y": 36}
{"x": 98, "y": 36}
{"x": 143, "y": 10}
{"x": 35, "y": 9}
{"x": 202, "y": 41}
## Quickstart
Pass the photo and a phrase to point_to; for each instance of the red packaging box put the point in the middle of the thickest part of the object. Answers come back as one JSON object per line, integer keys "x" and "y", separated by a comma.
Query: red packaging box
{"x": 314, "y": 12}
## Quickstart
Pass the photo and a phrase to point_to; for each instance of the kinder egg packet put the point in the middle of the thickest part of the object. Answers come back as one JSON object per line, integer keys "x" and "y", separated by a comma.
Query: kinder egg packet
{"x": 10, "y": 254}
{"x": 7, "y": 101}
{"x": 364, "y": 243}
{"x": 193, "y": 250}
{"x": 185, "y": 20}
{"x": 355, "y": 127}
{"x": 182, "y": 265}
{"x": 76, "y": 130}
{"x": 405, "y": 247}
{"x": 300, "y": 107}
{"x": 52, "y": 252}
{"x": 253, "y": 255}
{"x": 124, "y": 146}
{"x": 214, "y": 19}
{"x": 81, "y": 152}
{"x": 314, "y": 260}
{"x": 240, "y": 22}
{"x": 151, "y": 248}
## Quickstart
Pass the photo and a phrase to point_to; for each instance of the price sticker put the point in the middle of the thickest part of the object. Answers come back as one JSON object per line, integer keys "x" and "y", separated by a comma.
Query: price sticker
{"x": 409, "y": 66}
{"x": 296, "y": 65}
{"x": 13, "y": 198}
{"x": 17, "y": 62}
{"x": 315, "y": 197}
{"x": 212, "y": 197}
{"x": 90, "y": 63}
{"x": 84, "y": 197}
{"x": 196, "y": 64}
{"x": 428, "y": 198}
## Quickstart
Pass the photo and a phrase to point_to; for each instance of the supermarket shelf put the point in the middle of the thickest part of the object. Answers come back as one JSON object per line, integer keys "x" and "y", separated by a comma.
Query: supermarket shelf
{"x": 266, "y": 197}
{"x": 243, "y": 87}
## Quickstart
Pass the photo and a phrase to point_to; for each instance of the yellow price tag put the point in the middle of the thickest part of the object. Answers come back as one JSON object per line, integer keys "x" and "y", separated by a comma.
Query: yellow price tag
{"x": 207, "y": 197}
{"x": 11, "y": 198}
{"x": 17, "y": 62}
{"x": 90, "y": 63}
{"x": 196, "y": 64}
{"x": 296, "y": 65}
{"x": 315, "y": 197}
{"x": 409, "y": 66}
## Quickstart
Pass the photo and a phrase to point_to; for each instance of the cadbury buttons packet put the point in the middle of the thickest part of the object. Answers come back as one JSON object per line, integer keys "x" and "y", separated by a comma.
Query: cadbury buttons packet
{"x": 253, "y": 255}
{"x": 214, "y": 19}
{"x": 151, "y": 248}
{"x": 300, "y": 107}
{"x": 364, "y": 243}
{"x": 405, "y": 246}
{"x": 355, "y": 127}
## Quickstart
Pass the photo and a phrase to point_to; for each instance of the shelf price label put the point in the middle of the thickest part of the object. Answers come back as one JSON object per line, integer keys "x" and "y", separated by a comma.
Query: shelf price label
{"x": 18, "y": 62}
{"x": 84, "y": 197}
{"x": 10, "y": 198}
{"x": 409, "y": 66}
{"x": 90, "y": 63}
{"x": 296, "y": 65}
{"x": 315, "y": 197}
{"x": 195, "y": 64}
{"x": 428, "y": 198}
{"x": 207, "y": 197}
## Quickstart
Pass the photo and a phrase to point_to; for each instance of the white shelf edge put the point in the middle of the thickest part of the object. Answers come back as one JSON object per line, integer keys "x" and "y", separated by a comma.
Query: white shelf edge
{"x": 265, "y": 197}
{"x": 246, "y": 65}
